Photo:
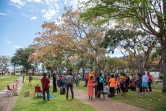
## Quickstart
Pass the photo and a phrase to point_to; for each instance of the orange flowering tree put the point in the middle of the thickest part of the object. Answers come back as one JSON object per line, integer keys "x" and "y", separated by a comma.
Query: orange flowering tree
{"x": 66, "y": 38}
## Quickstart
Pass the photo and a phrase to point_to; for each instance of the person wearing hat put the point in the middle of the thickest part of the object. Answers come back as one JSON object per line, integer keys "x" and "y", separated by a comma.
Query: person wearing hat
{"x": 45, "y": 85}
{"x": 90, "y": 85}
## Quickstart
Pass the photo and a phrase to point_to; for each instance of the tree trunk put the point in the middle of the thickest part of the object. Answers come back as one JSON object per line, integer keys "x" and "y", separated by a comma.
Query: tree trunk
{"x": 83, "y": 72}
{"x": 26, "y": 71}
{"x": 163, "y": 45}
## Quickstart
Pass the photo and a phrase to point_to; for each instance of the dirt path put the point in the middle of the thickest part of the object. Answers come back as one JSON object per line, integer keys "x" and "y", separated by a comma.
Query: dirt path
{"x": 104, "y": 104}
{"x": 7, "y": 102}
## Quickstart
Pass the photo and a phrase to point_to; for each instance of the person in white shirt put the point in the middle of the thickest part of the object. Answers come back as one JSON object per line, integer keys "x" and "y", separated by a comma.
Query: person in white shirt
{"x": 106, "y": 88}
{"x": 145, "y": 81}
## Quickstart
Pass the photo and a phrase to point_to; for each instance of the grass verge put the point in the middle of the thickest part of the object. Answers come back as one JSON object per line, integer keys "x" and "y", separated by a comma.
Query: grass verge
{"x": 59, "y": 103}
{"x": 5, "y": 80}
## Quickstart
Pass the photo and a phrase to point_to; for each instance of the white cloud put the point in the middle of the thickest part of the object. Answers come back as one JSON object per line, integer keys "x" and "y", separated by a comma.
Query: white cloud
{"x": 33, "y": 18}
{"x": 38, "y": 1}
{"x": 48, "y": 14}
{"x": 51, "y": 1}
{"x": 17, "y": 47}
{"x": 7, "y": 41}
{"x": 43, "y": 10}
{"x": 18, "y": 3}
{"x": 3, "y": 14}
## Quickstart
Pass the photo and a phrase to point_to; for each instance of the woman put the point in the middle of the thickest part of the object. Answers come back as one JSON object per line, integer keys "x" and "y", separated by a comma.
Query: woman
{"x": 90, "y": 85}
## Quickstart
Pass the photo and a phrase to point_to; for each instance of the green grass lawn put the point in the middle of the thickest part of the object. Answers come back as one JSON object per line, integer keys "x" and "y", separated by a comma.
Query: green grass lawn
{"x": 81, "y": 86}
{"x": 59, "y": 103}
{"x": 153, "y": 101}
{"x": 5, "y": 80}
{"x": 157, "y": 86}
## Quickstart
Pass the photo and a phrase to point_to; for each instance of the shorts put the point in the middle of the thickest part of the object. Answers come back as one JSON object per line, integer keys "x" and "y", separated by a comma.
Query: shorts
{"x": 100, "y": 87}
{"x": 112, "y": 90}
{"x": 144, "y": 84}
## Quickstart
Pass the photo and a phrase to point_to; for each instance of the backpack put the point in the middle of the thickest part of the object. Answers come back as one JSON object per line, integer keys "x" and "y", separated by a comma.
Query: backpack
{"x": 101, "y": 80}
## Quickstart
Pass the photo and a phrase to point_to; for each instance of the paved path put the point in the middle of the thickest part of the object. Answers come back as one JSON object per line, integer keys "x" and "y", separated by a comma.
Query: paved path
{"x": 104, "y": 104}
{"x": 7, "y": 102}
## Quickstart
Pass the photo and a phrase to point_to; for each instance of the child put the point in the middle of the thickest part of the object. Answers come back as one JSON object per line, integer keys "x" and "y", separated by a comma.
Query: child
{"x": 106, "y": 88}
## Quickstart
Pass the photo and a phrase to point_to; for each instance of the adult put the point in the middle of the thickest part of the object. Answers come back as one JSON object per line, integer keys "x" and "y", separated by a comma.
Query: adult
{"x": 60, "y": 81}
{"x": 49, "y": 75}
{"x": 112, "y": 85}
{"x": 139, "y": 82}
{"x": 100, "y": 81}
{"x": 90, "y": 87}
{"x": 16, "y": 87}
{"x": 54, "y": 83}
{"x": 23, "y": 77}
{"x": 145, "y": 81}
{"x": 76, "y": 80}
{"x": 45, "y": 85}
{"x": 118, "y": 84}
{"x": 123, "y": 84}
{"x": 150, "y": 81}
{"x": 30, "y": 78}
{"x": 69, "y": 81}
{"x": 127, "y": 82}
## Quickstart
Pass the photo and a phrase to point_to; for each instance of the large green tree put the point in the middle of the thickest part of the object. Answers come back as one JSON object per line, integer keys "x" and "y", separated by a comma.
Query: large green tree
{"x": 3, "y": 63}
{"x": 21, "y": 56}
{"x": 149, "y": 15}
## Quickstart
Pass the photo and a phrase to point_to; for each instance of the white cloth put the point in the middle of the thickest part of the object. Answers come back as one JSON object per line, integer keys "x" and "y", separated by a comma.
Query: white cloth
{"x": 145, "y": 78}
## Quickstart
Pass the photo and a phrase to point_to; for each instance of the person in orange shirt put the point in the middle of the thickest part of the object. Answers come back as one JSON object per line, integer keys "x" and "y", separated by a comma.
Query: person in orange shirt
{"x": 117, "y": 85}
{"x": 112, "y": 85}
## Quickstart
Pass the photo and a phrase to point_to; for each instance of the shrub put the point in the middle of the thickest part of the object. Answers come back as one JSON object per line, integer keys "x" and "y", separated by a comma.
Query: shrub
{"x": 161, "y": 76}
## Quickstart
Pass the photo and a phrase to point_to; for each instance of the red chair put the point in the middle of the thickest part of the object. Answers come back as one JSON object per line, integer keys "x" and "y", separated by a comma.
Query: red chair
{"x": 38, "y": 90}
{"x": 9, "y": 90}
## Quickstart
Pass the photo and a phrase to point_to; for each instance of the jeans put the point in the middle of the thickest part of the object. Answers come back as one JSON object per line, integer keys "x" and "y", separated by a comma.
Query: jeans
{"x": 69, "y": 85}
{"x": 48, "y": 94}
{"x": 77, "y": 83}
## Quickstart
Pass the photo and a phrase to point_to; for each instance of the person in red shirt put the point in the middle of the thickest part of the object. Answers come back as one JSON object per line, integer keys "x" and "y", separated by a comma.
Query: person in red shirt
{"x": 150, "y": 81}
{"x": 45, "y": 85}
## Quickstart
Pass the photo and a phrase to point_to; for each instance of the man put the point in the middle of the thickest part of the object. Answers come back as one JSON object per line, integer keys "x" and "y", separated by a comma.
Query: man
{"x": 100, "y": 81}
{"x": 150, "y": 81}
{"x": 23, "y": 76}
{"x": 69, "y": 81}
{"x": 145, "y": 81}
{"x": 112, "y": 85}
{"x": 45, "y": 85}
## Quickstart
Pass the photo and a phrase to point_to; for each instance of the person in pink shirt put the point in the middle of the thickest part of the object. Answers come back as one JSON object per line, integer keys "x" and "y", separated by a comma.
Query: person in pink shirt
{"x": 90, "y": 85}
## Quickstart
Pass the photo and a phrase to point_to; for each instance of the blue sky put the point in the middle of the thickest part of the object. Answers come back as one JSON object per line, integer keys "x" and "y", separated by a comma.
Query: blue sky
{"x": 20, "y": 20}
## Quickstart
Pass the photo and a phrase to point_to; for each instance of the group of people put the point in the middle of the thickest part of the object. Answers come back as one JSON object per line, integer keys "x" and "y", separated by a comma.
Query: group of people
{"x": 46, "y": 82}
{"x": 119, "y": 83}
{"x": 110, "y": 85}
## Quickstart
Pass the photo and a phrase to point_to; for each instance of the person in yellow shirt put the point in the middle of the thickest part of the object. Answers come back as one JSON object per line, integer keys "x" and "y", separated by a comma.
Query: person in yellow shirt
{"x": 123, "y": 84}
{"x": 112, "y": 85}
